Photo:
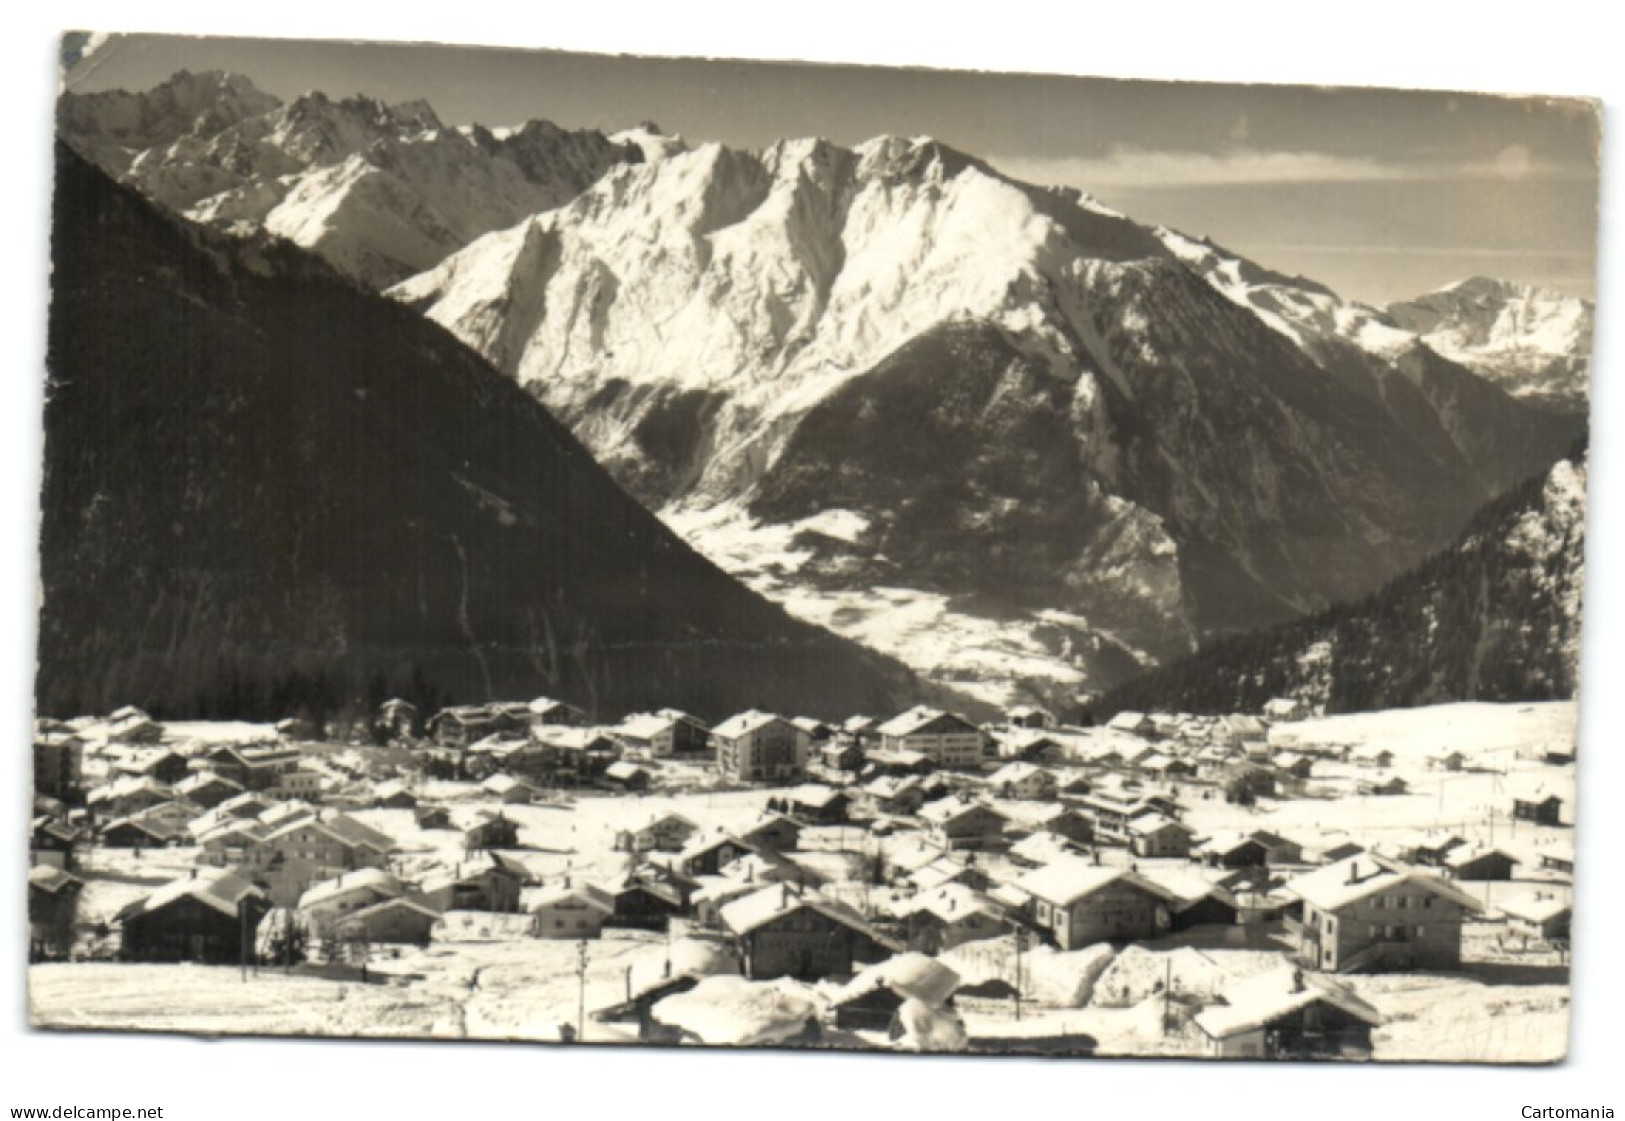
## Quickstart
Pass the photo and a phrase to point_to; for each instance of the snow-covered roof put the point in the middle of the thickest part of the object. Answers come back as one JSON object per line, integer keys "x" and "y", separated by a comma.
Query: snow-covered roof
{"x": 916, "y": 718}
{"x": 537, "y": 898}
{"x": 744, "y": 723}
{"x": 1257, "y": 1001}
{"x": 364, "y": 879}
{"x": 753, "y": 911}
{"x": 1337, "y": 885}
{"x": 945, "y": 810}
{"x": 1535, "y": 906}
{"x": 1069, "y": 879}
{"x": 908, "y": 975}
{"x": 950, "y": 902}
{"x": 397, "y": 902}
{"x": 645, "y": 725}
{"x": 733, "y": 1012}
{"x": 220, "y": 889}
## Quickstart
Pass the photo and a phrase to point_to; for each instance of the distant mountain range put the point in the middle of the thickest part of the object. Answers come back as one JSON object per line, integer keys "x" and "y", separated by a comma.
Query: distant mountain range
{"x": 1495, "y": 617}
{"x": 268, "y": 492}
{"x": 1017, "y": 440}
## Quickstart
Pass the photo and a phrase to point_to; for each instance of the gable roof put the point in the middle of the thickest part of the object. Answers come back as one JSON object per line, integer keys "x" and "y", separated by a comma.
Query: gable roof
{"x": 920, "y": 717}
{"x": 754, "y": 911}
{"x": 945, "y": 810}
{"x": 365, "y": 879}
{"x": 1252, "y": 1004}
{"x": 744, "y": 723}
{"x": 1068, "y": 879}
{"x": 219, "y": 889}
{"x": 1348, "y": 881}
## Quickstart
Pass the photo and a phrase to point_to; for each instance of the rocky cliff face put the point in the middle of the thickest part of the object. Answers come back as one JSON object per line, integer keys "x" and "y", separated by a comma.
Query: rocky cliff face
{"x": 267, "y": 491}
{"x": 1495, "y": 617}
{"x": 379, "y": 191}
{"x": 908, "y": 396}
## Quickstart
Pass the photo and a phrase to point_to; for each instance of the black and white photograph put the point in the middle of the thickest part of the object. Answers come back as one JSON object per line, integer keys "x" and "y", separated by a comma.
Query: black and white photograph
{"x": 650, "y": 551}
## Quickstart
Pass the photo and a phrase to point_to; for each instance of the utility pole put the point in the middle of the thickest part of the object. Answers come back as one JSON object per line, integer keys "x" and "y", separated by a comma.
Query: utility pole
{"x": 581, "y": 1000}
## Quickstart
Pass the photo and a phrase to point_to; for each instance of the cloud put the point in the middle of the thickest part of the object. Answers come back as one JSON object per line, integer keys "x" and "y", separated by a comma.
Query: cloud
{"x": 1151, "y": 169}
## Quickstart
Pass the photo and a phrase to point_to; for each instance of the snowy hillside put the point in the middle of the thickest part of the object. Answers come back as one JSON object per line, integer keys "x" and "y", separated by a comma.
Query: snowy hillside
{"x": 379, "y": 191}
{"x": 1028, "y": 402}
{"x": 1532, "y": 342}
{"x": 1495, "y": 617}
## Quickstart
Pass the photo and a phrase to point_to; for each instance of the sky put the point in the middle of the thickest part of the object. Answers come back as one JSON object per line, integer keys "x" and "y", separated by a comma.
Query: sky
{"x": 1381, "y": 194}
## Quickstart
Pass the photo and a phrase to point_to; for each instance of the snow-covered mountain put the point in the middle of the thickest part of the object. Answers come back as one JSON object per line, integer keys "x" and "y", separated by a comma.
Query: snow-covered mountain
{"x": 1496, "y": 616}
{"x": 379, "y": 191}
{"x": 998, "y": 430}
{"x": 1532, "y": 342}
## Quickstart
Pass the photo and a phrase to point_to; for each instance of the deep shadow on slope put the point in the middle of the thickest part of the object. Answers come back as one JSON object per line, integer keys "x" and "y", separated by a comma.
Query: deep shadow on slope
{"x": 266, "y": 490}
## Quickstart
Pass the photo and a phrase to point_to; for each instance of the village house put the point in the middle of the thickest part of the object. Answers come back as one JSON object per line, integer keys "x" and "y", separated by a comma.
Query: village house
{"x": 327, "y": 840}
{"x": 1383, "y": 784}
{"x": 625, "y": 776}
{"x": 53, "y": 841}
{"x": 1155, "y": 835}
{"x": 393, "y": 794}
{"x": 951, "y": 915}
{"x": 486, "y": 882}
{"x": 491, "y": 831}
{"x": 1194, "y": 900}
{"x": 663, "y": 734}
{"x": 53, "y": 902}
{"x": 1447, "y": 761}
{"x": 208, "y": 916}
{"x": 899, "y": 764}
{"x": 548, "y": 710}
{"x": 511, "y": 790}
{"x": 647, "y": 899}
{"x": 1558, "y": 858}
{"x": 1029, "y": 716}
{"x": 207, "y": 789}
{"x": 161, "y": 764}
{"x": 59, "y": 765}
{"x": 1028, "y": 745}
{"x": 401, "y": 920}
{"x": 1479, "y": 863}
{"x": 859, "y": 730}
{"x": 1076, "y": 903}
{"x": 578, "y": 756}
{"x": 1366, "y": 914}
{"x": 133, "y": 833}
{"x": 1022, "y": 781}
{"x": 569, "y": 912}
{"x": 667, "y": 832}
{"x": 397, "y": 720}
{"x": 956, "y": 824}
{"x": 772, "y": 832}
{"x": 297, "y": 783}
{"x": 783, "y": 932}
{"x": 128, "y": 795}
{"x": 253, "y": 768}
{"x": 815, "y": 804}
{"x": 430, "y": 816}
{"x": 131, "y": 725}
{"x": 324, "y": 903}
{"x": 1068, "y": 822}
{"x": 1539, "y": 805}
{"x": 1285, "y": 710}
{"x": 1132, "y": 723}
{"x": 1278, "y": 850}
{"x": 1288, "y": 1014}
{"x": 760, "y": 747}
{"x": 1232, "y": 849}
{"x": 841, "y": 756}
{"x": 1544, "y": 914}
{"x": 946, "y": 738}
{"x": 1372, "y": 756}
{"x": 1241, "y": 730}
{"x": 1041, "y": 848}
{"x": 1293, "y": 764}
{"x": 706, "y": 855}
{"x": 464, "y": 725}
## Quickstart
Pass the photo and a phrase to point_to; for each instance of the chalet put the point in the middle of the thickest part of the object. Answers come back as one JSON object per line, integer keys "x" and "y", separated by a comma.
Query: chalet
{"x": 1065, "y": 821}
{"x": 782, "y": 932}
{"x": 1285, "y": 710}
{"x": 328, "y": 840}
{"x": 209, "y": 916}
{"x": 1278, "y": 850}
{"x": 1543, "y": 913}
{"x": 1132, "y": 723}
{"x": 1029, "y": 716}
{"x": 660, "y": 735}
{"x": 429, "y": 816}
{"x": 1076, "y": 903}
{"x": 818, "y": 733}
{"x": 1447, "y": 761}
{"x": 578, "y": 755}
{"x": 956, "y": 824}
{"x": 569, "y": 912}
{"x": 131, "y": 725}
{"x": 1028, "y": 745}
{"x": 297, "y": 783}
{"x": 324, "y": 904}
{"x": 59, "y": 765}
{"x": 894, "y": 794}
{"x": 253, "y": 768}
{"x": 1232, "y": 849}
{"x": 493, "y": 831}
{"x": 947, "y": 869}
{"x": 859, "y": 730}
{"x": 128, "y": 795}
{"x": 706, "y": 855}
{"x": 940, "y": 919}
{"x": 1366, "y": 914}
{"x": 946, "y": 738}
{"x": 1156, "y": 835}
{"x": 400, "y": 920}
{"x": 1293, "y": 764}
{"x": 644, "y": 900}
{"x": 547, "y": 710}
{"x": 1558, "y": 858}
{"x": 53, "y": 903}
{"x": 488, "y": 882}
{"x": 1381, "y": 785}
{"x": 175, "y": 815}
{"x": 813, "y": 804}
{"x": 398, "y": 720}
{"x": 511, "y": 791}
{"x": 760, "y": 747}
{"x": 1166, "y": 768}
{"x": 899, "y": 763}
{"x": 393, "y": 794}
{"x": 1477, "y": 863}
{"x": 1428, "y": 848}
{"x": 1288, "y": 1014}
{"x": 1040, "y": 849}
{"x": 207, "y": 789}
{"x": 1241, "y": 730}
{"x": 1194, "y": 900}
{"x": 1022, "y": 781}
{"x": 465, "y": 725}
{"x": 233, "y": 841}
{"x": 134, "y": 833}
{"x": 53, "y": 841}
{"x": 625, "y": 775}
{"x": 871, "y": 1000}
{"x": 841, "y": 755}
{"x": 667, "y": 832}
{"x": 772, "y": 833}
{"x": 161, "y": 765}
{"x": 1539, "y": 806}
